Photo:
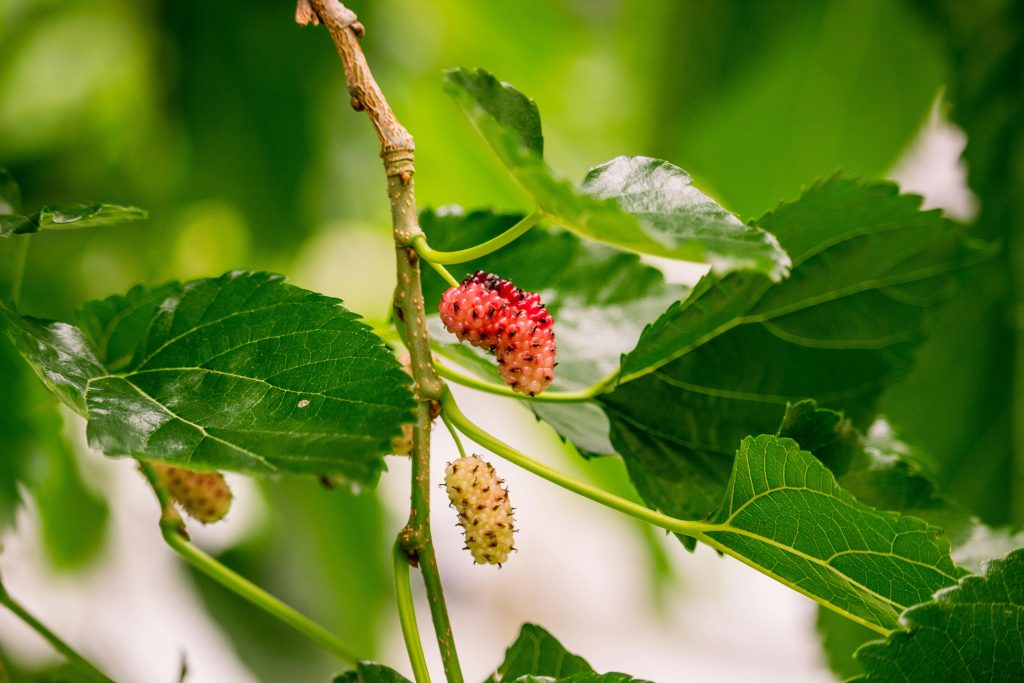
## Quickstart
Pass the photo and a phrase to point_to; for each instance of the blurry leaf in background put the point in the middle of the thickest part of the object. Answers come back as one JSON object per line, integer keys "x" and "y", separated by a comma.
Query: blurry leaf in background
{"x": 71, "y": 72}
{"x": 964, "y": 404}
{"x": 73, "y": 517}
{"x": 323, "y": 551}
{"x": 759, "y": 98}
{"x": 351, "y": 261}
{"x": 34, "y": 456}
{"x": 17, "y": 435}
{"x": 213, "y": 238}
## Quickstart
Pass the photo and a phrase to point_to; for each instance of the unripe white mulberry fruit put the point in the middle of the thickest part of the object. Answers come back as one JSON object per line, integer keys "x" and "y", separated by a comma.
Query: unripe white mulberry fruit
{"x": 204, "y": 496}
{"x": 485, "y": 514}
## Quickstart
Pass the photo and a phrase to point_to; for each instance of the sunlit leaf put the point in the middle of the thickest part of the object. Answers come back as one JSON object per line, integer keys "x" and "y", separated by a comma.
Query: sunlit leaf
{"x": 637, "y": 203}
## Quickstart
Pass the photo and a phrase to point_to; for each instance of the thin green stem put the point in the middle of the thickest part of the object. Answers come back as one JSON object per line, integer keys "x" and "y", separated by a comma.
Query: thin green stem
{"x": 259, "y": 597}
{"x": 698, "y": 530}
{"x": 407, "y": 615}
{"x": 464, "y": 425}
{"x": 455, "y": 434}
{"x": 83, "y": 665}
{"x": 20, "y": 261}
{"x": 443, "y": 272}
{"x": 173, "y": 530}
{"x": 418, "y": 544}
{"x": 546, "y": 397}
{"x": 483, "y": 249}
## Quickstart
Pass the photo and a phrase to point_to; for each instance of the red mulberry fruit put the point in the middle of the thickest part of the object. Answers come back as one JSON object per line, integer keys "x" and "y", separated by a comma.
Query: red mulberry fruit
{"x": 494, "y": 314}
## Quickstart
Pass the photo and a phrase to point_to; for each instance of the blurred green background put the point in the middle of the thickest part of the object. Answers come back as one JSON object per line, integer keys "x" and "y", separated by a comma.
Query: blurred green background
{"x": 230, "y": 124}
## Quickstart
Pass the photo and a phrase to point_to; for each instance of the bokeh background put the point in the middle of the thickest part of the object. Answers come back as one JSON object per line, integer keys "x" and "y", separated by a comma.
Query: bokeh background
{"x": 231, "y": 125}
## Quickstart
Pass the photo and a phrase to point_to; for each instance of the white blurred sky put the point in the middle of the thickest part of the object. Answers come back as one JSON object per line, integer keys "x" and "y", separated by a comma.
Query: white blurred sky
{"x": 577, "y": 572}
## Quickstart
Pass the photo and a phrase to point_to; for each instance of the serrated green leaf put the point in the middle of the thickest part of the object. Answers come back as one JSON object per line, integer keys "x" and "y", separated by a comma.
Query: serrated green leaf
{"x": 368, "y": 672}
{"x": 637, "y": 203}
{"x": 537, "y": 657}
{"x": 869, "y": 266}
{"x": 241, "y": 372}
{"x": 600, "y": 297}
{"x": 971, "y": 632}
{"x": 785, "y": 514}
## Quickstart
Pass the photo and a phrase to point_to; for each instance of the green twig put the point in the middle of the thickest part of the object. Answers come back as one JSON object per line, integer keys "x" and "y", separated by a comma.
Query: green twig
{"x": 434, "y": 256}
{"x": 464, "y": 425}
{"x": 546, "y": 397}
{"x": 443, "y": 272}
{"x": 407, "y": 615}
{"x": 397, "y": 153}
{"x": 20, "y": 261}
{"x": 87, "y": 668}
{"x": 455, "y": 434}
{"x": 173, "y": 529}
{"x": 418, "y": 545}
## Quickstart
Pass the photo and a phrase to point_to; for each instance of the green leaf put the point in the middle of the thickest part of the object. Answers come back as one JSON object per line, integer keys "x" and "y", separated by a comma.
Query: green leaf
{"x": 664, "y": 200}
{"x": 368, "y": 672}
{"x": 840, "y": 639}
{"x": 17, "y": 430}
{"x": 723, "y": 363}
{"x": 637, "y": 203}
{"x": 73, "y": 517}
{"x": 972, "y": 632}
{"x": 600, "y": 297}
{"x": 510, "y": 109}
{"x": 755, "y": 124}
{"x": 785, "y": 514}
{"x": 241, "y": 372}
{"x": 537, "y": 657}
{"x": 35, "y": 457}
{"x": 56, "y": 217}
{"x": 70, "y": 216}
{"x": 10, "y": 193}
{"x": 963, "y": 403}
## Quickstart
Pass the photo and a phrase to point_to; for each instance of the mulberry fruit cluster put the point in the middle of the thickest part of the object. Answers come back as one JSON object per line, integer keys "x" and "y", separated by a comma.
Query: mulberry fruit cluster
{"x": 204, "y": 496}
{"x": 485, "y": 514}
{"x": 494, "y": 314}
